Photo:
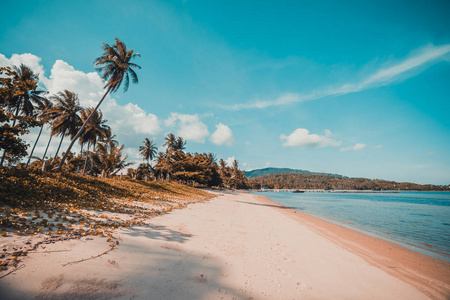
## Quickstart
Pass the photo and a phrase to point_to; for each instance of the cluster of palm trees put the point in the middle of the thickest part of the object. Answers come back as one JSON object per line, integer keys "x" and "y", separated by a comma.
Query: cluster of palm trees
{"x": 197, "y": 169}
{"x": 20, "y": 97}
{"x": 65, "y": 117}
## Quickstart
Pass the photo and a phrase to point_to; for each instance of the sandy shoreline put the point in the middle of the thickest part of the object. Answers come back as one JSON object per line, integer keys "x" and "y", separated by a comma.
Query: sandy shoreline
{"x": 430, "y": 275}
{"x": 236, "y": 246}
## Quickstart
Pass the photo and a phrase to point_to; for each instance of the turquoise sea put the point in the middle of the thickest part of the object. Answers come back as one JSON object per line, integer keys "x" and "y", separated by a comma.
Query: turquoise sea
{"x": 417, "y": 220}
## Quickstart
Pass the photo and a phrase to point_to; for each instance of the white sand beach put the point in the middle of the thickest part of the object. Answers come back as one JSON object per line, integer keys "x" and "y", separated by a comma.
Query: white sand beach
{"x": 236, "y": 246}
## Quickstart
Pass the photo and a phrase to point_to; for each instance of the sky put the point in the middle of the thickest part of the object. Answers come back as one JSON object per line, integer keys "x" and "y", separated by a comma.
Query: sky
{"x": 358, "y": 88}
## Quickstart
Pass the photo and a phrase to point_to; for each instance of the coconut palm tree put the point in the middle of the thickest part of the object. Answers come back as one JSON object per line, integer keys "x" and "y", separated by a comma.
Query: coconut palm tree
{"x": 25, "y": 97}
{"x": 170, "y": 142}
{"x": 162, "y": 166}
{"x": 108, "y": 159}
{"x": 179, "y": 144}
{"x": 148, "y": 151}
{"x": 116, "y": 68}
{"x": 66, "y": 111}
{"x": 95, "y": 129}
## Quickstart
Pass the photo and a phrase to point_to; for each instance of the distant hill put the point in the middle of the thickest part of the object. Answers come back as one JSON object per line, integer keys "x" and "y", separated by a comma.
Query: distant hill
{"x": 297, "y": 180}
{"x": 273, "y": 171}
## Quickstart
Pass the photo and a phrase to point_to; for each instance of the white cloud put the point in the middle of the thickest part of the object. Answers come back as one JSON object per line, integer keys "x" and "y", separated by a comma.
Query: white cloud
{"x": 267, "y": 164}
{"x": 378, "y": 147}
{"x": 430, "y": 153}
{"x": 189, "y": 127}
{"x": 88, "y": 86}
{"x": 222, "y": 136}
{"x": 303, "y": 139}
{"x": 28, "y": 59}
{"x": 125, "y": 120}
{"x": 247, "y": 143}
{"x": 356, "y": 147}
{"x": 131, "y": 116}
{"x": 421, "y": 58}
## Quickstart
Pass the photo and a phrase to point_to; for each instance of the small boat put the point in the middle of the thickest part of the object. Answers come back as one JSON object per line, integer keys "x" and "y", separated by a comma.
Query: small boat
{"x": 298, "y": 191}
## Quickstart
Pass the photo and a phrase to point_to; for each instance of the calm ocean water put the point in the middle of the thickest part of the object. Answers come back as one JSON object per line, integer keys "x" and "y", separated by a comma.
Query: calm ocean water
{"x": 418, "y": 220}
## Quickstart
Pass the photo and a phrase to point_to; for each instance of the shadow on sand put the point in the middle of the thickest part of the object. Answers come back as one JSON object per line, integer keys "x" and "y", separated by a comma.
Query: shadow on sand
{"x": 270, "y": 205}
{"x": 152, "y": 262}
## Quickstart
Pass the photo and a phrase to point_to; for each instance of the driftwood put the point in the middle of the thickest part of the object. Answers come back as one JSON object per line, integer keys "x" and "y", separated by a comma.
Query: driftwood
{"x": 85, "y": 259}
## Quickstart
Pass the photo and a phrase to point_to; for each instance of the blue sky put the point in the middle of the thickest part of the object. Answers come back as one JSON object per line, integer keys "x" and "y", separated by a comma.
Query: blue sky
{"x": 359, "y": 88}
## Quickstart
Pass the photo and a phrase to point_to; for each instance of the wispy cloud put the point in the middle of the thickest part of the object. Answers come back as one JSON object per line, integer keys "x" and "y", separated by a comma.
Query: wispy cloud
{"x": 395, "y": 71}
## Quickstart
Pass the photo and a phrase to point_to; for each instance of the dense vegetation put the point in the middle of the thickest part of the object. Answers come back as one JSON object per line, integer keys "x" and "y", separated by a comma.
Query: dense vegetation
{"x": 329, "y": 182}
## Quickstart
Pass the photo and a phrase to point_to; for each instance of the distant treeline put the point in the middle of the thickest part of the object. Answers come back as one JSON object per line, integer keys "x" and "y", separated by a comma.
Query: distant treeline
{"x": 327, "y": 182}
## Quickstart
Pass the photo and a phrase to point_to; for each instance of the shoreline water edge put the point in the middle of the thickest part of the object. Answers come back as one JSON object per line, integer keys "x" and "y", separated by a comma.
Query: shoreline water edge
{"x": 430, "y": 275}
{"x": 415, "y": 220}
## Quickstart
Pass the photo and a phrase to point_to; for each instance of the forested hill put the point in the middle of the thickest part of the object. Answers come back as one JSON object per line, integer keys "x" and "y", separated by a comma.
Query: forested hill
{"x": 271, "y": 171}
{"x": 329, "y": 182}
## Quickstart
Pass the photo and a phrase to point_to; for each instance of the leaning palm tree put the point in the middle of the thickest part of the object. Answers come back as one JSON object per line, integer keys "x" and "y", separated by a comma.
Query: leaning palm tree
{"x": 67, "y": 120}
{"x": 26, "y": 97}
{"x": 42, "y": 114}
{"x": 116, "y": 67}
{"x": 51, "y": 115}
{"x": 148, "y": 151}
{"x": 95, "y": 129}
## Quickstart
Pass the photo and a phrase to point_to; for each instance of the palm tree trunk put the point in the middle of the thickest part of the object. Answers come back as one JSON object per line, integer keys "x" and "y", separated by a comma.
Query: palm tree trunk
{"x": 80, "y": 132}
{"x": 35, "y": 143}
{"x": 85, "y": 161}
{"x": 59, "y": 146}
{"x": 48, "y": 144}
{"x": 13, "y": 124}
